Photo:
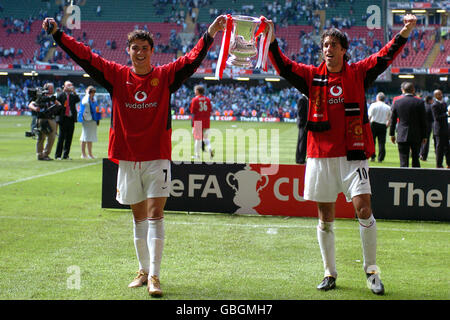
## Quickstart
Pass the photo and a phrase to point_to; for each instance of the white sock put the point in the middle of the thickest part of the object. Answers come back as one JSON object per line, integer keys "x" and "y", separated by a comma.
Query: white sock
{"x": 197, "y": 147}
{"x": 368, "y": 232}
{"x": 156, "y": 245}
{"x": 140, "y": 243}
{"x": 325, "y": 235}
{"x": 207, "y": 144}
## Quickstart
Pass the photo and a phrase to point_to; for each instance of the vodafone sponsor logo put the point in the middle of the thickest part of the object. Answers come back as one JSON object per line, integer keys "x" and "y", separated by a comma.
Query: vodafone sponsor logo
{"x": 140, "y": 97}
{"x": 336, "y": 93}
{"x": 141, "y": 105}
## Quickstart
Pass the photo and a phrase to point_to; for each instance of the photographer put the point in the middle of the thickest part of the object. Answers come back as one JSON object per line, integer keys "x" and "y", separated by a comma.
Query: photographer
{"x": 46, "y": 107}
{"x": 66, "y": 119}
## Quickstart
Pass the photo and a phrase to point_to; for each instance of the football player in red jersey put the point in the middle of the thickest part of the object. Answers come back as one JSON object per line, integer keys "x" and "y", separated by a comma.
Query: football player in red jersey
{"x": 339, "y": 137}
{"x": 140, "y": 133}
{"x": 201, "y": 111}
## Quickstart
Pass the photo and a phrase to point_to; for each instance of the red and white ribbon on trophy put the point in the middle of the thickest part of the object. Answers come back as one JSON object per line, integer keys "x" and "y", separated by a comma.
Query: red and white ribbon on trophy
{"x": 225, "y": 48}
{"x": 263, "y": 51}
{"x": 265, "y": 30}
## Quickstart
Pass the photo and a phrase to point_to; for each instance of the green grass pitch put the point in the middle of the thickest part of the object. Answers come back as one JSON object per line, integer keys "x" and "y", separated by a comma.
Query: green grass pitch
{"x": 57, "y": 243}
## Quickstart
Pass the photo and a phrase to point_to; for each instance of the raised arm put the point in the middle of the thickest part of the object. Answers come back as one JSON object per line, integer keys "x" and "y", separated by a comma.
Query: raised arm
{"x": 185, "y": 66}
{"x": 378, "y": 62}
{"x": 100, "y": 69}
{"x": 297, "y": 74}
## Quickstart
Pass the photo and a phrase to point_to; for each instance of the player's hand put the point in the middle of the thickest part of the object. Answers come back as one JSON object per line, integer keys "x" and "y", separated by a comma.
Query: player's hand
{"x": 409, "y": 22}
{"x": 218, "y": 25}
{"x": 270, "y": 23}
{"x": 393, "y": 139}
{"x": 47, "y": 22}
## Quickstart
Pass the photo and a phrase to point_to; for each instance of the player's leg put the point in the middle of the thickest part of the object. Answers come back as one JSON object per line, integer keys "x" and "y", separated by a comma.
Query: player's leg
{"x": 197, "y": 132}
{"x": 368, "y": 233}
{"x": 207, "y": 142}
{"x": 197, "y": 148}
{"x": 322, "y": 185}
{"x": 325, "y": 236}
{"x": 155, "y": 242}
{"x": 156, "y": 177}
{"x": 130, "y": 191}
{"x": 140, "y": 231}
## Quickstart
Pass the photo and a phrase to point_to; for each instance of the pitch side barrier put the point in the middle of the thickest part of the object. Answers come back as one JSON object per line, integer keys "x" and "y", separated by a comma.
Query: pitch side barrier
{"x": 397, "y": 193}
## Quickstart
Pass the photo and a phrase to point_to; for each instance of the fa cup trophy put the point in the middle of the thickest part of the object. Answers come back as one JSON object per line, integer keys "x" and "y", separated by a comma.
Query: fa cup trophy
{"x": 246, "y": 193}
{"x": 239, "y": 43}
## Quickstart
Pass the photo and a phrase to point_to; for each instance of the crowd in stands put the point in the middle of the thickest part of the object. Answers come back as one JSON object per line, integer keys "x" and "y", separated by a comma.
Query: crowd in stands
{"x": 228, "y": 99}
{"x": 282, "y": 12}
{"x": 240, "y": 100}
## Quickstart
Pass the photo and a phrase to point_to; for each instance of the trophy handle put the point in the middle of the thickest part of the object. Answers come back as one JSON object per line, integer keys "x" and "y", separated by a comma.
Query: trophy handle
{"x": 265, "y": 183}
{"x": 227, "y": 179}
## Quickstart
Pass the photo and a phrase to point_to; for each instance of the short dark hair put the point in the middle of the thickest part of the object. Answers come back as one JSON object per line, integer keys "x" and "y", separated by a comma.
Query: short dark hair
{"x": 408, "y": 87}
{"x": 428, "y": 99}
{"x": 139, "y": 35}
{"x": 200, "y": 89}
{"x": 340, "y": 36}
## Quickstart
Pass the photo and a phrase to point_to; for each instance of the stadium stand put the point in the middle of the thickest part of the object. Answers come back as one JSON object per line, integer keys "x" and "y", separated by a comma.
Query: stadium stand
{"x": 443, "y": 58}
{"x": 177, "y": 25}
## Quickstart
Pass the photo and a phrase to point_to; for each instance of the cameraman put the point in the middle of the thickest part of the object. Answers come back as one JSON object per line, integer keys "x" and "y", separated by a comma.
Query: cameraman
{"x": 46, "y": 123}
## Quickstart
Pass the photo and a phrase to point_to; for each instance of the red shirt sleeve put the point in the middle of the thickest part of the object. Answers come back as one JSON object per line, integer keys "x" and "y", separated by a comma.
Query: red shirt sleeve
{"x": 298, "y": 74}
{"x": 185, "y": 66}
{"x": 100, "y": 69}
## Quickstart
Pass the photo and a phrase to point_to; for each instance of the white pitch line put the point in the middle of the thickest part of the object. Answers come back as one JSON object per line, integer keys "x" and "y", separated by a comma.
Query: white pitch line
{"x": 47, "y": 174}
{"x": 294, "y": 226}
{"x": 244, "y": 225}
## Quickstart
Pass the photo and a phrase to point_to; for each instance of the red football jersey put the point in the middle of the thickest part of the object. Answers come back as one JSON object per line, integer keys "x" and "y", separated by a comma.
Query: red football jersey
{"x": 201, "y": 110}
{"x": 332, "y": 143}
{"x": 335, "y": 146}
{"x": 141, "y": 125}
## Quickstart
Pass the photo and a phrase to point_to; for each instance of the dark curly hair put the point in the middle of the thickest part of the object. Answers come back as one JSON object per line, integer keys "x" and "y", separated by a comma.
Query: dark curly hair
{"x": 139, "y": 35}
{"x": 340, "y": 36}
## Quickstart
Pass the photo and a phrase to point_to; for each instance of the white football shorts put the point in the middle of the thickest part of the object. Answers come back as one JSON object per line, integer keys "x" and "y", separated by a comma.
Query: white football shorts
{"x": 325, "y": 178}
{"x": 138, "y": 181}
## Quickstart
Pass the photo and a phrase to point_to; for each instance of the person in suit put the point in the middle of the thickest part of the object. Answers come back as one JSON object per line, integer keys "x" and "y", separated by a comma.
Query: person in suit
{"x": 440, "y": 129}
{"x": 66, "y": 120}
{"x": 302, "y": 116}
{"x": 411, "y": 126}
{"x": 429, "y": 117}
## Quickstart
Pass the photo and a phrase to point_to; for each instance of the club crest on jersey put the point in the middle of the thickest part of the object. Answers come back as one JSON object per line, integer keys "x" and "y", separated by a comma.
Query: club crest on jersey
{"x": 154, "y": 82}
{"x": 140, "y": 96}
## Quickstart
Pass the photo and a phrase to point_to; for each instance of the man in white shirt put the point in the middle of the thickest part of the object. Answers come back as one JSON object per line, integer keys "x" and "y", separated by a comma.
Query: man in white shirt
{"x": 379, "y": 116}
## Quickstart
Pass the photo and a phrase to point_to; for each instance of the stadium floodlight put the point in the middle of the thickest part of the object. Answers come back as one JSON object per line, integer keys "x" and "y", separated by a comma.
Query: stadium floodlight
{"x": 211, "y": 78}
{"x": 398, "y": 11}
{"x": 418, "y": 11}
{"x": 443, "y": 78}
{"x": 242, "y": 79}
{"x": 3, "y": 73}
{"x": 406, "y": 76}
{"x": 86, "y": 75}
{"x": 272, "y": 79}
{"x": 441, "y": 11}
